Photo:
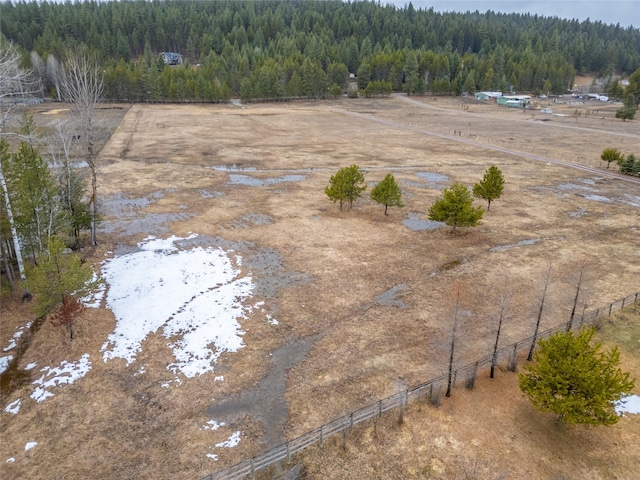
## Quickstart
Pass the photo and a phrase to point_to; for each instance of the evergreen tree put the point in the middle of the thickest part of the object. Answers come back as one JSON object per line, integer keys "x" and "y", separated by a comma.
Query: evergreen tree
{"x": 611, "y": 155}
{"x": 346, "y": 185}
{"x": 455, "y": 208}
{"x": 628, "y": 110}
{"x": 58, "y": 274}
{"x": 628, "y": 165}
{"x": 387, "y": 193}
{"x": 575, "y": 379}
{"x": 491, "y": 186}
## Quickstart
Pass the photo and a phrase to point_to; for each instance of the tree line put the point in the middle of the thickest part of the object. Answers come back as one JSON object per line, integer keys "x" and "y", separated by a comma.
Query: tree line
{"x": 290, "y": 49}
{"x": 45, "y": 203}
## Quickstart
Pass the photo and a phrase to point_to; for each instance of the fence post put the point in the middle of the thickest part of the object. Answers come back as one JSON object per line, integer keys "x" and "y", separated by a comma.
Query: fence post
{"x": 253, "y": 470}
{"x": 288, "y": 454}
{"x": 610, "y": 307}
{"x": 321, "y": 435}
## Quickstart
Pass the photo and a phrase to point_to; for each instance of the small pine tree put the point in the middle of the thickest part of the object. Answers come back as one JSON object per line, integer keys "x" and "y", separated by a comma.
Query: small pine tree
{"x": 346, "y": 185}
{"x": 575, "y": 379}
{"x": 628, "y": 165}
{"x": 67, "y": 313}
{"x": 455, "y": 208}
{"x": 611, "y": 155}
{"x": 491, "y": 186}
{"x": 387, "y": 193}
{"x": 58, "y": 273}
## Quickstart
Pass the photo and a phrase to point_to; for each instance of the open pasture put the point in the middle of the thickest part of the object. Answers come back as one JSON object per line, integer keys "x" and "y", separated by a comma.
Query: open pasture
{"x": 346, "y": 306}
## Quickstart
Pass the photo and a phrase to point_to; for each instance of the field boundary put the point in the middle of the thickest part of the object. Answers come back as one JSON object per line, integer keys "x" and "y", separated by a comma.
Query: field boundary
{"x": 430, "y": 390}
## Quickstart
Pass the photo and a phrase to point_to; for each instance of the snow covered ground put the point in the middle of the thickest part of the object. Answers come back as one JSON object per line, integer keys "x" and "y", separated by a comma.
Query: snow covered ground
{"x": 193, "y": 297}
{"x": 630, "y": 404}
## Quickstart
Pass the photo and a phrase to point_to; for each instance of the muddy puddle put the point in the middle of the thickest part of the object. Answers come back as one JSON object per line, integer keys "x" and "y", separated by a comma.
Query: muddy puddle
{"x": 415, "y": 223}
{"x": 388, "y": 298}
{"x": 246, "y": 180}
{"x": 12, "y": 377}
{"x": 429, "y": 180}
{"x": 125, "y": 216}
{"x": 521, "y": 243}
{"x": 252, "y": 220}
{"x": 266, "y": 402}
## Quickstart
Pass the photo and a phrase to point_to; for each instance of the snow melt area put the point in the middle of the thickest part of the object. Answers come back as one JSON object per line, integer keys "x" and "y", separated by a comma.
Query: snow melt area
{"x": 4, "y": 362}
{"x": 13, "y": 407}
{"x": 194, "y": 297}
{"x": 29, "y": 445}
{"x": 630, "y": 404}
{"x": 230, "y": 442}
{"x": 66, "y": 373}
{"x": 94, "y": 298}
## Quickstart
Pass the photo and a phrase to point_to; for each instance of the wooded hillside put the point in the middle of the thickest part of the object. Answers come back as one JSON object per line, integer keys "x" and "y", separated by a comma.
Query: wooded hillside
{"x": 275, "y": 49}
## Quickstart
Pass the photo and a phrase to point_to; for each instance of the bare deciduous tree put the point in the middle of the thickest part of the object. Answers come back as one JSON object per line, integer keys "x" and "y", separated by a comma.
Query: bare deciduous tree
{"x": 575, "y": 300}
{"x": 503, "y": 304}
{"x": 82, "y": 86}
{"x": 16, "y": 86}
{"x": 457, "y": 294}
{"x": 544, "y": 294}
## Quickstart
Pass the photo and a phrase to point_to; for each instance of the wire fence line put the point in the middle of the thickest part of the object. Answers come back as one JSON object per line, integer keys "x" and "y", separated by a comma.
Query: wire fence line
{"x": 430, "y": 391}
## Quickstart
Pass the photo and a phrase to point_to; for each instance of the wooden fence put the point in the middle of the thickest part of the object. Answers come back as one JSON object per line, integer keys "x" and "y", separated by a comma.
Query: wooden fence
{"x": 430, "y": 391}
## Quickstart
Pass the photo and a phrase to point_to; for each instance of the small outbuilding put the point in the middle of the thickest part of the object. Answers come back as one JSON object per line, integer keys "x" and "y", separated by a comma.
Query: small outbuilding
{"x": 514, "y": 101}
{"x": 488, "y": 95}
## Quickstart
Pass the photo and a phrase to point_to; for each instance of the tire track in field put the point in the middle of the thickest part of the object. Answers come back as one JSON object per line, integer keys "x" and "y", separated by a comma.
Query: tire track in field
{"x": 508, "y": 151}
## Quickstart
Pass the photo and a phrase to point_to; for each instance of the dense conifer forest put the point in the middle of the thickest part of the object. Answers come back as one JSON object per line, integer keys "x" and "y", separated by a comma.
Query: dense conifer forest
{"x": 302, "y": 48}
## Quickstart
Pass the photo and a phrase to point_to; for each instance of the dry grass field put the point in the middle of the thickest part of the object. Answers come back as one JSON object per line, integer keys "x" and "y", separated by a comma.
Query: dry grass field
{"x": 363, "y": 301}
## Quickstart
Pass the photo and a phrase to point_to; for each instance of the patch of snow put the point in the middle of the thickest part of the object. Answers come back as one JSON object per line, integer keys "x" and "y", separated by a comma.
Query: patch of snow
{"x": 15, "y": 337}
{"x": 66, "y": 373}
{"x": 94, "y": 299}
{"x": 13, "y": 407}
{"x": 213, "y": 456}
{"x": 29, "y": 445}
{"x": 10, "y": 460}
{"x": 272, "y": 321}
{"x": 193, "y": 296}
{"x": 213, "y": 425}
{"x": 230, "y": 442}
{"x": 629, "y": 404}
{"x": 219, "y": 378}
{"x": 31, "y": 366}
{"x": 4, "y": 362}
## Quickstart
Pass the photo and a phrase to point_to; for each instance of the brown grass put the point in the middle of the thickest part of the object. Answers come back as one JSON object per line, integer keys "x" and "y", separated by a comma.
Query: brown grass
{"x": 117, "y": 422}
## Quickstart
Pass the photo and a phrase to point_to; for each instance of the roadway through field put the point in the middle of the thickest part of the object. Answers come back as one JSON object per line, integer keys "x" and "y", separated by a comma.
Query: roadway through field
{"x": 417, "y": 103}
{"x": 529, "y": 156}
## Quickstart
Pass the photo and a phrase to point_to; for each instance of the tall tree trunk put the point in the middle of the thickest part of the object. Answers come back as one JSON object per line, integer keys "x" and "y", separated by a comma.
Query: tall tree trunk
{"x": 575, "y": 301}
{"x": 453, "y": 345}
{"x": 14, "y": 233}
{"x": 535, "y": 333}
{"x": 494, "y": 359}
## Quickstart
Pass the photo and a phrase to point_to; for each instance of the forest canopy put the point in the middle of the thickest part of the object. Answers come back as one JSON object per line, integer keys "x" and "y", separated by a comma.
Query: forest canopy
{"x": 301, "y": 48}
